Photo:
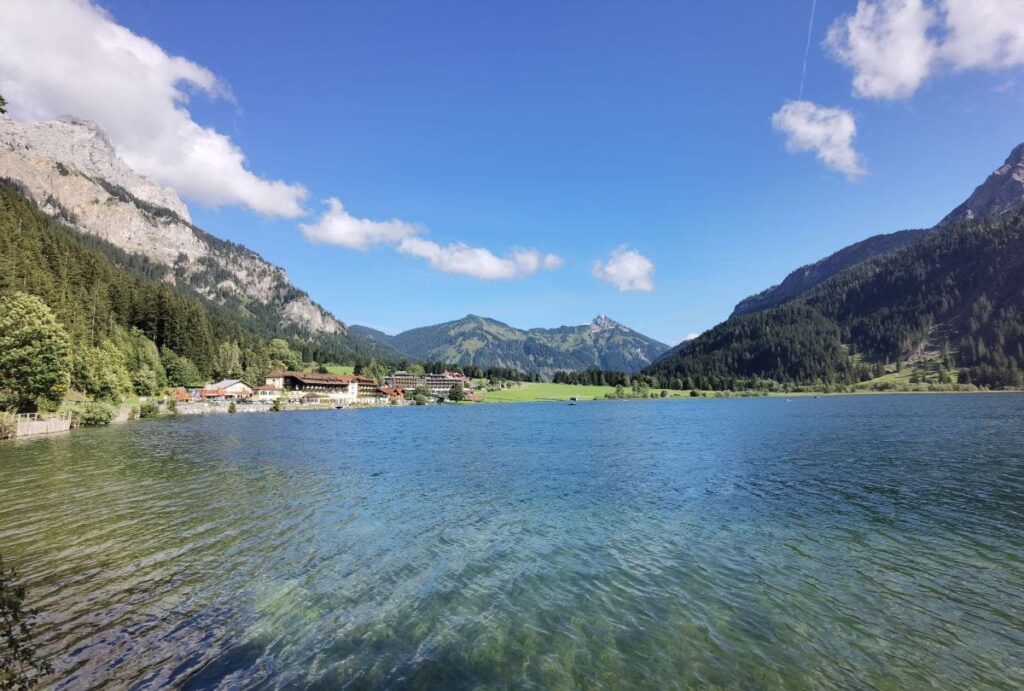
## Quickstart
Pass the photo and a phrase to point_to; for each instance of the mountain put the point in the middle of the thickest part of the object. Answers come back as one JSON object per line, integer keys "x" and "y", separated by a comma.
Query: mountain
{"x": 953, "y": 297}
{"x": 998, "y": 197}
{"x": 70, "y": 169}
{"x": 806, "y": 277}
{"x": 473, "y": 340}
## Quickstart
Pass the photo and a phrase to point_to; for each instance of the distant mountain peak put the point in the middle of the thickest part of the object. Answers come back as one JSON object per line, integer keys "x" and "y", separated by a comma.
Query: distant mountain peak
{"x": 604, "y": 323}
{"x": 1002, "y": 193}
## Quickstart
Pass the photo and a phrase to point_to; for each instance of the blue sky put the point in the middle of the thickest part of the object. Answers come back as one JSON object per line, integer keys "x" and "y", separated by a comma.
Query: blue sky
{"x": 576, "y": 128}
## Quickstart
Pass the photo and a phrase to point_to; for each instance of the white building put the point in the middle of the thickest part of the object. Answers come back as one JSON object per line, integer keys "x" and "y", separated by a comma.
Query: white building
{"x": 231, "y": 388}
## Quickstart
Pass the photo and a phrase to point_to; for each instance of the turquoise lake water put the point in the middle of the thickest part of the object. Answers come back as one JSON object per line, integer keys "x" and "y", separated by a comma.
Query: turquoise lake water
{"x": 840, "y": 542}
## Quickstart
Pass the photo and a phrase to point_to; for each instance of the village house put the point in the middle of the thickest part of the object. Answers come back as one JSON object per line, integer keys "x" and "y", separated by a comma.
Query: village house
{"x": 342, "y": 389}
{"x": 394, "y": 394}
{"x": 227, "y": 389}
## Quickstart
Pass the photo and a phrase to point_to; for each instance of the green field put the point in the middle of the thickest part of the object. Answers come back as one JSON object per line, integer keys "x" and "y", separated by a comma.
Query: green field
{"x": 545, "y": 392}
{"x": 340, "y": 369}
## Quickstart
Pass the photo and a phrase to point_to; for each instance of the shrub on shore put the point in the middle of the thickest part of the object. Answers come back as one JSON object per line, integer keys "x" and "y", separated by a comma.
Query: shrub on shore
{"x": 149, "y": 409}
{"x": 92, "y": 414}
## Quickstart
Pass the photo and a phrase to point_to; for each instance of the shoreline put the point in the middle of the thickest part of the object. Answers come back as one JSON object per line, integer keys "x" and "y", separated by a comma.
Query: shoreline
{"x": 710, "y": 396}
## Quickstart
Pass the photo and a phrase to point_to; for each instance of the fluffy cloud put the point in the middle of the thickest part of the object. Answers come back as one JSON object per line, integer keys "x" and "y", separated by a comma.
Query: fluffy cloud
{"x": 68, "y": 56}
{"x": 893, "y": 46}
{"x": 627, "y": 270}
{"x": 338, "y": 227}
{"x": 477, "y": 262}
{"x": 984, "y": 34}
{"x": 887, "y": 46}
{"x": 828, "y": 132}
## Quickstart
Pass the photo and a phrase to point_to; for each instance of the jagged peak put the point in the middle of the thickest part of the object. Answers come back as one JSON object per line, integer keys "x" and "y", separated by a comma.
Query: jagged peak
{"x": 1002, "y": 193}
{"x": 603, "y": 322}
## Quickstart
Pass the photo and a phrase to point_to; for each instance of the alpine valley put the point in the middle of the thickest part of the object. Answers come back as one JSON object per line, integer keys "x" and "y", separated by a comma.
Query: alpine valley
{"x": 118, "y": 258}
{"x": 937, "y": 306}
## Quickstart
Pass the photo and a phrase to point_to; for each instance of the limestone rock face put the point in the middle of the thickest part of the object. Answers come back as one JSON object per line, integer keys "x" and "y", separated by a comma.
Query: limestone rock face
{"x": 83, "y": 145}
{"x": 70, "y": 169}
{"x": 1002, "y": 193}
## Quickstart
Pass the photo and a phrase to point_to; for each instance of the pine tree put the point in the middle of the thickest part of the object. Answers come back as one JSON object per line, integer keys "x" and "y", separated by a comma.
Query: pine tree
{"x": 35, "y": 352}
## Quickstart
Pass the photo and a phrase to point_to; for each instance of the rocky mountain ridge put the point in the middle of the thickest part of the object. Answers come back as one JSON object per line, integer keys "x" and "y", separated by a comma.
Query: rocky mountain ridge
{"x": 70, "y": 169}
{"x": 1000, "y": 196}
{"x": 474, "y": 340}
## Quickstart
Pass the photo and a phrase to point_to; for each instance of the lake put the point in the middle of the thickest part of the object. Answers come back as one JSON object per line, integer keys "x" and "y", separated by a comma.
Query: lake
{"x": 862, "y": 541}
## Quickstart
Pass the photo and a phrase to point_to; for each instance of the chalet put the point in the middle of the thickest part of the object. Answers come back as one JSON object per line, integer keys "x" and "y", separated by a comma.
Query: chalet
{"x": 229, "y": 388}
{"x": 392, "y": 393}
{"x": 209, "y": 393}
{"x": 367, "y": 392}
{"x": 341, "y": 388}
{"x": 181, "y": 395}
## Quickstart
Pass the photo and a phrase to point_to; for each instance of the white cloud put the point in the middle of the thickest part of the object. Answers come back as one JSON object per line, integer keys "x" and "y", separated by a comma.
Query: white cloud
{"x": 894, "y": 46}
{"x": 338, "y": 227}
{"x": 887, "y": 45}
{"x": 478, "y": 262}
{"x": 828, "y": 132}
{"x": 69, "y": 56}
{"x": 984, "y": 34}
{"x": 627, "y": 270}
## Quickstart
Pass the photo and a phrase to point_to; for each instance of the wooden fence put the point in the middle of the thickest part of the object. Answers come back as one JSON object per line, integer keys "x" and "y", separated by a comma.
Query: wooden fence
{"x": 32, "y": 424}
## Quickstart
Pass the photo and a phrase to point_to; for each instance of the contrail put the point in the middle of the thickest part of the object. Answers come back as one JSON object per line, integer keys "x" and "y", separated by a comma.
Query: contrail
{"x": 807, "y": 50}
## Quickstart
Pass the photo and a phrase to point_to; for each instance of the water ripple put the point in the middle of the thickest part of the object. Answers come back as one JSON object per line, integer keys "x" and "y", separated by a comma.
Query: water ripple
{"x": 824, "y": 543}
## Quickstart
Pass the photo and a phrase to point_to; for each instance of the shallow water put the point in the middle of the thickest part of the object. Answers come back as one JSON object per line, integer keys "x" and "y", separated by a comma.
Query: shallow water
{"x": 872, "y": 541}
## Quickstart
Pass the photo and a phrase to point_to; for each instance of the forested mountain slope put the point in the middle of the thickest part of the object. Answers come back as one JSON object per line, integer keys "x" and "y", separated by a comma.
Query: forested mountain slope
{"x": 1000, "y": 196}
{"x": 70, "y": 169}
{"x": 806, "y": 277}
{"x": 474, "y": 340}
{"x": 958, "y": 294}
{"x": 132, "y": 332}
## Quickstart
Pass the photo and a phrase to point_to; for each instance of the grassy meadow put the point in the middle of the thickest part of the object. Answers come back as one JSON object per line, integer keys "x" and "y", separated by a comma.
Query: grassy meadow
{"x": 545, "y": 392}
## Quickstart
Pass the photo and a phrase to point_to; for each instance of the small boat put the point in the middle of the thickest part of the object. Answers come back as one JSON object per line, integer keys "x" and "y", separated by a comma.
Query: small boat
{"x": 572, "y": 400}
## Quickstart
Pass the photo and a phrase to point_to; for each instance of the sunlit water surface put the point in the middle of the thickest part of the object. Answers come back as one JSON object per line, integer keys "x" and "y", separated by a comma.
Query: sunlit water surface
{"x": 761, "y": 543}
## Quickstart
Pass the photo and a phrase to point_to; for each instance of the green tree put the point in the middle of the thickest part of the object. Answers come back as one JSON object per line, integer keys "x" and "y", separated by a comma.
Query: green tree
{"x": 227, "y": 363}
{"x": 180, "y": 370}
{"x": 3, "y": 105}
{"x": 35, "y": 352}
{"x": 456, "y": 393}
{"x": 19, "y": 666}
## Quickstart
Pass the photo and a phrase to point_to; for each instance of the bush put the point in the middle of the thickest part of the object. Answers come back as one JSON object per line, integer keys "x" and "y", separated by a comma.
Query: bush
{"x": 275, "y": 407}
{"x": 149, "y": 409}
{"x": 232, "y": 408}
{"x": 8, "y": 426}
{"x": 92, "y": 414}
{"x": 172, "y": 406}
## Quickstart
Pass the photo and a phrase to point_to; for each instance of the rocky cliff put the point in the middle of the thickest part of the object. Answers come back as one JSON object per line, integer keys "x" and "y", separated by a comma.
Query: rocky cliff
{"x": 1002, "y": 193}
{"x": 70, "y": 169}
